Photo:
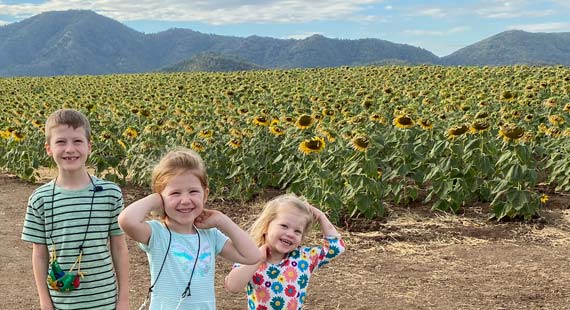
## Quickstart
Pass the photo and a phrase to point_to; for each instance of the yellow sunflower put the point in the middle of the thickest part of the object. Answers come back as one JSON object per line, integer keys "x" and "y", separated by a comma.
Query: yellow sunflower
{"x": 130, "y": 133}
{"x": 206, "y": 133}
{"x": 234, "y": 143}
{"x": 403, "y": 122}
{"x": 479, "y": 126}
{"x": 304, "y": 121}
{"x": 511, "y": 132}
{"x": 313, "y": 145}
{"x": 261, "y": 121}
{"x": 457, "y": 131}
{"x": 360, "y": 143}
{"x": 556, "y": 120}
{"x": 276, "y": 130}
{"x": 425, "y": 123}
{"x": 18, "y": 136}
{"x": 197, "y": 146}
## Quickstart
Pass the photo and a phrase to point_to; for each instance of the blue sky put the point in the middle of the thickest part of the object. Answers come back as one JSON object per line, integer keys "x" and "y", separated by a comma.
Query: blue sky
{"x": 441, "y": 27}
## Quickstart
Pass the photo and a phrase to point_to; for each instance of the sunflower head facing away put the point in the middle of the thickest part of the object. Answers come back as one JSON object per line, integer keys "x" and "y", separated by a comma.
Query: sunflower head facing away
{"x": 360, "y": 143}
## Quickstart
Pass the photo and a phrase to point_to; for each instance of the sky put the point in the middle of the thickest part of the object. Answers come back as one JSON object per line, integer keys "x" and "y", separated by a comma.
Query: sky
{"x": 440, "y": 27}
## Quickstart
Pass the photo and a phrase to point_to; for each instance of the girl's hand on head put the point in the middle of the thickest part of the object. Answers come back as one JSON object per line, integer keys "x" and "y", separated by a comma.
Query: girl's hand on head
{"x": 208, "y": 219}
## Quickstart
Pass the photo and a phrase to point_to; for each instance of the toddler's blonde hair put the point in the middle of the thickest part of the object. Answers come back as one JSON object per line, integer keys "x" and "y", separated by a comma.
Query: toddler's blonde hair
{"x": 271, "y": 210}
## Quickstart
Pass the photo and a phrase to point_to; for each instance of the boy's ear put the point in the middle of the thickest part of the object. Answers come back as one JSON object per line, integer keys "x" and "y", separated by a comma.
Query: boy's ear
{"x": 48, "y": 149}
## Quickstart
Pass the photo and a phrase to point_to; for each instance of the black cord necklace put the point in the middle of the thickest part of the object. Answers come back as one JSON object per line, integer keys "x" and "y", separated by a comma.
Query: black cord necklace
{"x": 57, "y": 278}
{"x": 186, "y": 292}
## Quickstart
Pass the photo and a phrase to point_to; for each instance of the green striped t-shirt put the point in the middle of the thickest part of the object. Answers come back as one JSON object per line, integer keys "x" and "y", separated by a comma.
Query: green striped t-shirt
{"x": 65, "y": 219}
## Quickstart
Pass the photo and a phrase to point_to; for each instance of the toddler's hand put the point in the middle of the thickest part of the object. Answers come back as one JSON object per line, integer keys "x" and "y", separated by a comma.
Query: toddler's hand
{"x": 317, "y": 214}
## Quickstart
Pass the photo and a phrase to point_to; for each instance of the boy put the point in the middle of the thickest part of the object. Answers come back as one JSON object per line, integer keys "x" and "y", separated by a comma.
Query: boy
{"x": 70, "y": 222}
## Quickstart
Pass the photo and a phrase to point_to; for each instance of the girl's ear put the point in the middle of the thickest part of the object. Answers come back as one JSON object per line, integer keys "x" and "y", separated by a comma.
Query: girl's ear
{"x": 206, "y": 192}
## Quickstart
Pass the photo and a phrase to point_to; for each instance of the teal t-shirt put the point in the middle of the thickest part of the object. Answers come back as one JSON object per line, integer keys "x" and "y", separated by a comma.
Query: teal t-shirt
{"x": 178, "y": 267}
{"x": 65, "y": 219}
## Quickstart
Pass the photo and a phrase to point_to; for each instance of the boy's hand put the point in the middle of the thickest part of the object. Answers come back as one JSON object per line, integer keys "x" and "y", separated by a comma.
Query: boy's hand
{"x": 209, "y": 219}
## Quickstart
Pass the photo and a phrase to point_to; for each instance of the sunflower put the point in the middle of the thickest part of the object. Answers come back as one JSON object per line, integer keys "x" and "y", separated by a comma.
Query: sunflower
{"x": 304, "y": 121}
{"x": 313, "y": 145}
{"x": 36, "y": 123}
{"x": 130, "y": 133}
{"x": 543, "y": 198}
{"x": 152, "y": 129}
{"x": 360, "y": 143}
{"x": 106, "y": 135}
{"x": 276, "y": 130}
{"x": 243, "y": 111}
{"x": 403, "y": 121}
{"x": 528, "y": 117}
{"x": 260, "y": 121}
{"x": 550, "y": 102}
{"x": 566, "y": 108}
{"x": 556, "y": 120}
{"x": 197, "y": 146}
{"x": 377, "y": 118}
{"x": 457, "y": 131}
{"x": 482, "y": 114}
{"x": 206, "y": 133}
{"x": 510, "y": 132}
{"x": 288, "y": 119}
{"x": 425, "y": 123}
{"x": 4, "y": 134}
{"x": 328, "y": 112}
{"x": 234, "y": 143}
{"x": 234, "y": 132}
{"x": 478, "y": 126}
{"x": 188, "y": 128}
{"x": 18, "y": 136}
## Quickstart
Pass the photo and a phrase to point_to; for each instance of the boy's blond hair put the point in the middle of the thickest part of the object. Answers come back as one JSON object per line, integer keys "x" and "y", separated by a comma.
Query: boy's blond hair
{"x": 69, "y": 117}
{"x": 270, "y": 211}
{"x": 176, "y": 162}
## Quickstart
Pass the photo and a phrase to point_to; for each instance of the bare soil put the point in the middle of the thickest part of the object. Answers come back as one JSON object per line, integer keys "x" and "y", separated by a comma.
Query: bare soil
{"x": 412, "y": 259}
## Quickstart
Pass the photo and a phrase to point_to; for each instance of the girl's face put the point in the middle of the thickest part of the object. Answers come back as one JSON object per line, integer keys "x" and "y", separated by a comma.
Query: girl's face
{"x": 285, "y": 232}
{"x": 184, "y": 199}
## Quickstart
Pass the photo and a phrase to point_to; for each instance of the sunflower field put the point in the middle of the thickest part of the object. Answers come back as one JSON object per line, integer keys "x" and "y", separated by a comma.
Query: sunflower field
{"x": 348, "y": 139}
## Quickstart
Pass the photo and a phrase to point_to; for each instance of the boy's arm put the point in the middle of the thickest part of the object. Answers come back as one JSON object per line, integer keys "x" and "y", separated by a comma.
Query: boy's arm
{"x": 120, "y": 255}
{"x": 238, "y": 278}
{"x": 327, "y": 228}
{"x": 40, "y": 261}
{"x": 240, "y": 248}
{"x": 132, "y": 218}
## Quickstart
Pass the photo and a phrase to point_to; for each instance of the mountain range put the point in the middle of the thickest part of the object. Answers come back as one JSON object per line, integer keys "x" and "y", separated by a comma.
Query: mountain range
{"x": 80, "y": 42}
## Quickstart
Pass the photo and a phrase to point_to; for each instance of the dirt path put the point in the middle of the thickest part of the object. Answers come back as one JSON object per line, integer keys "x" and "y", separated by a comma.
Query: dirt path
{"x": 415, "y": 259}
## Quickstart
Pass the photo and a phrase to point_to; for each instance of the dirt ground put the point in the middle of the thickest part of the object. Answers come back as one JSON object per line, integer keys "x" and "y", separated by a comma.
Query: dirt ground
{"x": 413, "y": 259}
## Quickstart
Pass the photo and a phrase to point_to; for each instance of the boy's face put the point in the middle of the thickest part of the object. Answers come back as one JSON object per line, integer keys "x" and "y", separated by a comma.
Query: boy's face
{"x": 69, "y": 147}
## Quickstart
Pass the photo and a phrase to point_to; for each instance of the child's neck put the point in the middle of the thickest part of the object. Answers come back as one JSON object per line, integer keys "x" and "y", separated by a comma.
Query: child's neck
{"x": 181, "y": 229}
{"x": 73, "y": 180}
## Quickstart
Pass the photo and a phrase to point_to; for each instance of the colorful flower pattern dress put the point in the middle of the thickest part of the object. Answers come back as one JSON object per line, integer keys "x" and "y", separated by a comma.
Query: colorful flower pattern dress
{"x": 284, "y": 285}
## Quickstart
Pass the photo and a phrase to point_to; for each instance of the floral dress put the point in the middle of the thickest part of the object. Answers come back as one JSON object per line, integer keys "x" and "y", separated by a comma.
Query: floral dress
{"x": 284, "y": 285}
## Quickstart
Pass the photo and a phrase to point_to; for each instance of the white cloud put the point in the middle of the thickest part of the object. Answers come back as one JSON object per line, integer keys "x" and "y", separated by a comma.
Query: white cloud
{"x": 546, "y": 27}
{"x": 500, "y": 9}
{"x": 215, "y": 12}
{"x": 2, "y": 23}
{"x": 436, "y": 33}
{"x": 432, "y": 12}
